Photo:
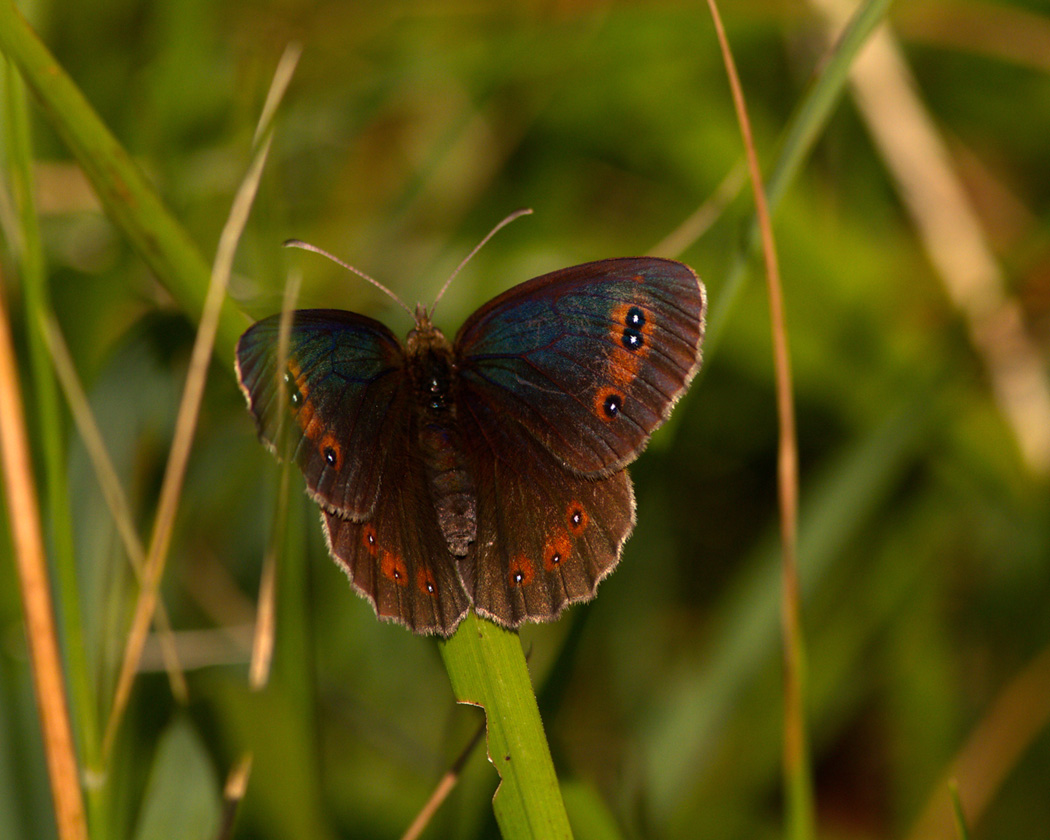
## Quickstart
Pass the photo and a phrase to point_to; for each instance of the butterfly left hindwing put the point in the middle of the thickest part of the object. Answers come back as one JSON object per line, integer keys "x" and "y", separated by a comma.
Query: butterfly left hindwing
{"x": 398, "y": 558}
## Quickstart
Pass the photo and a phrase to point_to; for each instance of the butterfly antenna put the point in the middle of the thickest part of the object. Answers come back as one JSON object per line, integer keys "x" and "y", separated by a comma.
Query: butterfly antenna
{"x": 515, "y": 215}
{"x": 306, "y": 246}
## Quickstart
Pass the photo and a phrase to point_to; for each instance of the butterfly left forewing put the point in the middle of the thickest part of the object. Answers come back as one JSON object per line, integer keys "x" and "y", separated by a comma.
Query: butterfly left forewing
{"x": 589, "y": 360}
{"x": 332, "y": 398}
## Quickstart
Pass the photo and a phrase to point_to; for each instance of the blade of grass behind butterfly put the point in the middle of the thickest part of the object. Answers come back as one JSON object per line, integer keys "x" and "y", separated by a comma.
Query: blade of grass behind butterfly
{"x": 125, "y": 194}
{"x": 487, "y": 668}
{"x": 801, "y": 820}
{"x": 686, "y": 722}
{"x": 1016, "y": 718}
{"x": 265, "y": 613}
{"x": 116, "y": 500}
{"x": 805, "y": 126}
{"x": 189, "y": 407}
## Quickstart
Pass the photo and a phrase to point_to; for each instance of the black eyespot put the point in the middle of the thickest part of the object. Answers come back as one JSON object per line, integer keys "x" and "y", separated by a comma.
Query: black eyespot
{"x": 555, "y": 558}
{"x": 330, "y": 456}
{"x": 518, "y": 577}
{"x": 613, "y": 404}
{"x": 430, "y": 587}
{"x": 632, "y": 339}
{"x": 635, "y": 318}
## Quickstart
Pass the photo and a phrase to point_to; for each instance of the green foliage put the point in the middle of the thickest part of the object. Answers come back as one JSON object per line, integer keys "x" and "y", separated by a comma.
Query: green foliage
{"x": 408, "y": 131}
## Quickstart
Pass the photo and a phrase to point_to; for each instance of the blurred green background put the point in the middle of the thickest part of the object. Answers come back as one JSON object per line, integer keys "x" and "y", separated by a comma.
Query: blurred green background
{"x": 409, "y": 130}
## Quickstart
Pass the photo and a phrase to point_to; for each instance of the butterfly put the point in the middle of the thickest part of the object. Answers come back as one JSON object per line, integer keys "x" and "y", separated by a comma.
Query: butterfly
{"x": 489, "y": 472}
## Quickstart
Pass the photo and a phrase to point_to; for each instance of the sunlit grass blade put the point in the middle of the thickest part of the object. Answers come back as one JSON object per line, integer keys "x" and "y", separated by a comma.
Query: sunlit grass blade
{"x": 703, "y": 217}
{"x": 443, "y": 789}
{"x": 186, "y": 420}
{"x": 487, "y": 668}
{"x": 1017, "y": 718}
{"x": 957, "y": 811}
{"x": 266, "y": 608}
{"x": 952, "y": 233}
{"x": 31, "y": 561}
{"x": 48, "y": 422}
{"x": 233, "y": 794}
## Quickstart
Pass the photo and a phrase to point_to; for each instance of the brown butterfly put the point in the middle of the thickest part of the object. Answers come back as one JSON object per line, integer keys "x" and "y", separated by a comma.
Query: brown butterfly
{"x": 489, "y": 472}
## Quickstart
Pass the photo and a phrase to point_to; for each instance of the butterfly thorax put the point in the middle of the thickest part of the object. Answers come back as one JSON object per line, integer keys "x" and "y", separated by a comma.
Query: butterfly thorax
{"x": 431, "y": 371}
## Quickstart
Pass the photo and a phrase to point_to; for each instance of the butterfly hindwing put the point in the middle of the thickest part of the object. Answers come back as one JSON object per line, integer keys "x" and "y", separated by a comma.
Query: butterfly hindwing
{"x": 547, "y": 537}
{"x": 588, "y": 360}
{"x": 398, "y": 558}
{"x": 334, "y": 394}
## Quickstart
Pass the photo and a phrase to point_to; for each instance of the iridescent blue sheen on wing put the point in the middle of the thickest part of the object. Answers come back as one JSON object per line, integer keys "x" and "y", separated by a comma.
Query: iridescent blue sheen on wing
{"x": 588, "y": 360}
{"x": 335, "y": 395}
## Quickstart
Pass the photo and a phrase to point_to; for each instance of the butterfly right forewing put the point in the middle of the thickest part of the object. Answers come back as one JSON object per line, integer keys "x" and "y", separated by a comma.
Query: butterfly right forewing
{"x": 332, "y": 397}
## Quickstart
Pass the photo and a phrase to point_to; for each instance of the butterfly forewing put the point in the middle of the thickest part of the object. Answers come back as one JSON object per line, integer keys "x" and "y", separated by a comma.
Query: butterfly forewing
{"x": 588, "y": 360}
{"x": 332, "y": 397}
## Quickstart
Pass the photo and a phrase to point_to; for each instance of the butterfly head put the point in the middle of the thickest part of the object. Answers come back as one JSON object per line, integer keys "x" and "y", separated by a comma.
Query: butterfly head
{"x": 424, "y": 334}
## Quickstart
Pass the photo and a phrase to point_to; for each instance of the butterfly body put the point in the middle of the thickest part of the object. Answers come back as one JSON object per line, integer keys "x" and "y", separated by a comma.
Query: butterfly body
{"x": 489, "y": 471}
{"x": 431, "y": 365}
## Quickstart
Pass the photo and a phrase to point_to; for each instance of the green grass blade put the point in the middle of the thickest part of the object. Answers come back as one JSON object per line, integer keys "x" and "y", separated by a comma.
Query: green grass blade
{"x": 182, "y": 797}
{"x": 124, "y": 192}
{"x": 487, "y": 668}
{"x": 957, "y": 812}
